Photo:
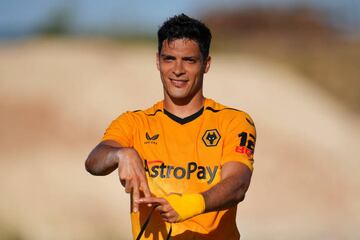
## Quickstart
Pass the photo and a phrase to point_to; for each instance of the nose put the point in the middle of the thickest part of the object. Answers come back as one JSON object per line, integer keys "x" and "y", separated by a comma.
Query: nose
{"x": 178, "y": 69}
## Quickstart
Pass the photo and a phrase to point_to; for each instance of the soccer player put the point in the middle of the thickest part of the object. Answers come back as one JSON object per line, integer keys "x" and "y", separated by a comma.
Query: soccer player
{"x": 187, "y": 161}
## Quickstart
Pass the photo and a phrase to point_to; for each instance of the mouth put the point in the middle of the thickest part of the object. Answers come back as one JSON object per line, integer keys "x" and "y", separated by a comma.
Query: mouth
{"x": 178, "y": 82}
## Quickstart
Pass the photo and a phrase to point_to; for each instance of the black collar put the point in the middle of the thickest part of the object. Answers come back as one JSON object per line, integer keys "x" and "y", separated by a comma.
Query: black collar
{"x": 183, "y": 121}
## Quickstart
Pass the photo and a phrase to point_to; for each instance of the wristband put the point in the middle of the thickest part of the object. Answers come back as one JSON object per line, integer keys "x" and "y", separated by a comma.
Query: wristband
{"x": 186, "y": 205}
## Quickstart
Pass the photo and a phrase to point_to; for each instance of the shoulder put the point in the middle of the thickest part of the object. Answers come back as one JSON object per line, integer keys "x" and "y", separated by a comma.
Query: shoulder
{"x": 149, "y": 112}
{"x": 227, "y": 113}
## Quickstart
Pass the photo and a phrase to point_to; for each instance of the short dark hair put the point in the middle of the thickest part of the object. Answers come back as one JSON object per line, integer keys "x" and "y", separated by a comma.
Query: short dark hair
{"x": 182, "y": 26}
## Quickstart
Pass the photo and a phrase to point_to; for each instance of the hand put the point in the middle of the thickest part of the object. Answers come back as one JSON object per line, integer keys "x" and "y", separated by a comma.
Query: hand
{"x": 132, "y": 175}
{"x": 166, "y": 211}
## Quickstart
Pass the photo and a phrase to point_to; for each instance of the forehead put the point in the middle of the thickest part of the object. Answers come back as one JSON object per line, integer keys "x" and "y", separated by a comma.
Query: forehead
{"x": 183, "y": 46}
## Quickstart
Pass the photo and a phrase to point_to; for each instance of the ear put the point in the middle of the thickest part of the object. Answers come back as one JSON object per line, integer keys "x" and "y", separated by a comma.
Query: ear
{"x": 158, "y": 61}
{"x": 207, "y": 64}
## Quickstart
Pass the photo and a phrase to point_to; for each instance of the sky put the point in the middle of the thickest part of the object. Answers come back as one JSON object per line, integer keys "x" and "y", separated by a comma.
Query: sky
{"x": 22, "y": 17}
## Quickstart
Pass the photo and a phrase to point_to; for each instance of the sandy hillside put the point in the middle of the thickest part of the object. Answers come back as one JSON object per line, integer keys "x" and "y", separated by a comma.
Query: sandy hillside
{"x": 57, "y": 97}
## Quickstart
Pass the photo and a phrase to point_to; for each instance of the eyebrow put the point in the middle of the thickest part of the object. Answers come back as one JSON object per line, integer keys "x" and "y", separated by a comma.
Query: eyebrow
{"x": 166, "y": 55}
{"x": 190, "y": 58}
{"x": 184, "y": 58}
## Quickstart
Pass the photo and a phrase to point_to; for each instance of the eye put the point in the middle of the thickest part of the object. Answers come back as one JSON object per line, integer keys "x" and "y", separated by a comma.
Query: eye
{"x": 190, "y": 60}
{"x": 168, "y": 58}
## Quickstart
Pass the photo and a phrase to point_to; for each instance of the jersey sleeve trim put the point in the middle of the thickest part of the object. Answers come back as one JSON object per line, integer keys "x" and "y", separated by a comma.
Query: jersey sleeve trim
{"x": 153, "y": 114}
{"x": 218, "y": 110}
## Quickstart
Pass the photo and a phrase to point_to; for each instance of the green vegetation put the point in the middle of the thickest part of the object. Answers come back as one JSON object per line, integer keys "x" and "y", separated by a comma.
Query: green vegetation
{"x": 58, "y": 22}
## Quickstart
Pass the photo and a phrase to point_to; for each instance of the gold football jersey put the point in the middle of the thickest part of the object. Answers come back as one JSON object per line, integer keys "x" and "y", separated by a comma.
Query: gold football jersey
{"x": 185, "y": 155}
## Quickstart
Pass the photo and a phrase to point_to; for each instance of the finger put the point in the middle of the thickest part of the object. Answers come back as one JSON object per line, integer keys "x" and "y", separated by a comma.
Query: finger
{"x": 128, "y": 186}
{"x": 153, "y": 200}
{"x": 160, "y": 209}
{"x": 122, "y": 182}
{"x": 165, "y": 215}
{"x": 164, "y": 208}
{"x": 171, "y": 219}
{"x": 122, "y": 178}
{"x": 145, "y": 188}
{"x": 136, "y": 196}
{"x": 172, "y": 216}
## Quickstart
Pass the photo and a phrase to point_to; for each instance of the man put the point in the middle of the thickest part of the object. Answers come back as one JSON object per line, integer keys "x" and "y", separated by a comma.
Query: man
{"x": 186, "y": 161}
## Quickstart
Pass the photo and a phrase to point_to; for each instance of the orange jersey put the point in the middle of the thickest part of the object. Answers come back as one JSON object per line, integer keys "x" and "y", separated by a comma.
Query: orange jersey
{"x": 186, "y": 156}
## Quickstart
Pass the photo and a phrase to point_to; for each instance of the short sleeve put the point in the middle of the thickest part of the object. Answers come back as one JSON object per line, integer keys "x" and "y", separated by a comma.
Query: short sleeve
{"x": 239, "y": 141}
{"x": 121, "y": 130}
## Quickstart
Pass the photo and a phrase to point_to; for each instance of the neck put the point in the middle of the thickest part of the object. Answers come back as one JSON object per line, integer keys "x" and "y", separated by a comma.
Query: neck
{"x": 184, "y": 108}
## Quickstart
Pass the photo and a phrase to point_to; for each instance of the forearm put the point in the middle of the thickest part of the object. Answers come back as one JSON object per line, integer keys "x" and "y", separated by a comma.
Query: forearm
{"x": 225, "y": 194}
{"x": 229, "y": 191}
{"x": 102, "y": 160}
{"x": 235, "y": 181}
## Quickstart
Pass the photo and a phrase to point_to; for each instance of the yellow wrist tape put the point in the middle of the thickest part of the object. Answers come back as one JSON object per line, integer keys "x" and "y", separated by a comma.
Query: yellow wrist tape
{"x": 186, "y": 205}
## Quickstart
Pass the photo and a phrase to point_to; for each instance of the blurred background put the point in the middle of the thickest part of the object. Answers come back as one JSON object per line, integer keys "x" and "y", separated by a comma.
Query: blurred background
{"x": 67, "y": 68}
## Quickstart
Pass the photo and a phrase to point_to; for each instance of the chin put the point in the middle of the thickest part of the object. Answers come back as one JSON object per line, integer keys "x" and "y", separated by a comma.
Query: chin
{"x": 178, "y": 94}
{"x": 177, "y": 97}
{"x": 180, "y": 99}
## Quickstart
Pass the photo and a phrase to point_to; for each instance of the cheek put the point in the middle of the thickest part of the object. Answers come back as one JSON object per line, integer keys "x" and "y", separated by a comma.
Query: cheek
{"x": 164, "y": 75}
{"x": 164, "y": 70}
{"x": 196, "y": 74}
{"x": 194, "y": 70}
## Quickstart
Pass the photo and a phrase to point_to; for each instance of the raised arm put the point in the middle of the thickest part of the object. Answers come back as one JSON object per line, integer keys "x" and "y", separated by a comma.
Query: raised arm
{"x": 109, "y": 155}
